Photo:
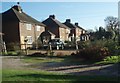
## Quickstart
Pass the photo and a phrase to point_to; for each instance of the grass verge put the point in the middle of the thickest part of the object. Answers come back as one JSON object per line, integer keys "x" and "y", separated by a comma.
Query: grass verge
{"x": 30, "y": 75}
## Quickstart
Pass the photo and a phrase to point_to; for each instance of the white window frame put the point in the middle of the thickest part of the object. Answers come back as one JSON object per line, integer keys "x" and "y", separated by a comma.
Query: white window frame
{"x": 28, "y": 26}
{"x": 29, "y": 39}
{"x": 38, "y": 28}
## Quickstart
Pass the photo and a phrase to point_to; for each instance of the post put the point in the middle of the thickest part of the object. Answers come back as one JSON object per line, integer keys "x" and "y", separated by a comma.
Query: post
{"x": 26, "y": 45}
{"x": 57, "y": 47}
{"x": 76, "y": 44}
{"x": 26, "y": 48}
{"x": 50, "y": 47}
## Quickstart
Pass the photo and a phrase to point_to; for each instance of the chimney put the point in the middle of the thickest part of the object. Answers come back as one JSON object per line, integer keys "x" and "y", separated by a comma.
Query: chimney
{"x": 18, "y": 8}
{"x": 68, "y": 20}
{"x": 52, "y": 16}
{"x": 76, "y": 24}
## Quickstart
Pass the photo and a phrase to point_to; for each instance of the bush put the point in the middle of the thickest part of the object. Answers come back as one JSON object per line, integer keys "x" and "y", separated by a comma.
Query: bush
{"x": 83, "y": 44}
{"x": 37, "y": 54}
{"x": 112, "y": 47}
{"x": 112, "y": 59}
{"x": 13, "y": 46}
{"x": 13, "y": 53}
{"x": 93, "y": 53}
{"x": 59, "y": 54}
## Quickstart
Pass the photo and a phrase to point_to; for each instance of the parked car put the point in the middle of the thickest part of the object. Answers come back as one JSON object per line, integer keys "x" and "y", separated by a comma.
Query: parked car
{"x": 56, "y": 44}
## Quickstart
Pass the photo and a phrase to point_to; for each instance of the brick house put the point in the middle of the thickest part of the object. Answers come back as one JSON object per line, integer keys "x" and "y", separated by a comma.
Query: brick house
{"x": 18, "y": 26}
{"x": 54, "y": 26}
{"x": 84, "y": 36}
{"x": 75, "y": 31}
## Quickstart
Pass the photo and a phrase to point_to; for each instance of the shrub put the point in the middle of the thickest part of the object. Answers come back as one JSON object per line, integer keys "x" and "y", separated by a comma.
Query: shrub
{"x": 93, "y": 53}
{"x": 59, "y": 54}
{"x": 112, "y": 59}
{"x": 112, "y": 47}
{"x": 13, "y": 46}
{"x": 83, "y": 44}
{"x": 37, "y": 54}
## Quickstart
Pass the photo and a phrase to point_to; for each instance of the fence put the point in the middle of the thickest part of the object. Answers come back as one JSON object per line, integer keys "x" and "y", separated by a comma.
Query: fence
{"x": 14, "y": 46}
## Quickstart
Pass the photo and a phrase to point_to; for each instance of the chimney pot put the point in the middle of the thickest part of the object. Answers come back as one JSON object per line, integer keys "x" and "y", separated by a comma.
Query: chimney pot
{"x": 76, "y": 24}
{"x": 18, "y": 8}
{"x": 52, "y": 16}
{"x": 68, "y": 20}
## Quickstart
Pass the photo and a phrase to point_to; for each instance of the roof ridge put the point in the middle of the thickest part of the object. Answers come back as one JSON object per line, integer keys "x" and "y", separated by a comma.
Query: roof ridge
{"x": 64, "y": 26}
{"x": 15, "y": 13}
{"x": 23, "y": 17}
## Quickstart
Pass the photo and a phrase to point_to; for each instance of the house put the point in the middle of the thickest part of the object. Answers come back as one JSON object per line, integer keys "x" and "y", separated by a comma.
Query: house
{"x": 19, "y": 26}
{"x": 57, "y": 28}
{"x": 77, "y": 33}
{"x": 83, "y": 34}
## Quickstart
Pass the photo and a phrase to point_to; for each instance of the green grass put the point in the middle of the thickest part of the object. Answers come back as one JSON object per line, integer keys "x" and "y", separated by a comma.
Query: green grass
{"x": 30, "y": 75}
{"x": 12, "y": 53}
{"x": 110, "y": 60}
{"x": 34, "y": 75}
{"x": 70, "y": 60}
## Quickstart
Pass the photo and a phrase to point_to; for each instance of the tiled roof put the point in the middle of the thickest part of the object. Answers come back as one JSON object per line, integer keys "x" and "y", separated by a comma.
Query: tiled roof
{"x": 72, "y": 26}
{"x": 47, "y": 21}
{"x": 22, "y": 17}
{"x": 80, "y": 27}
{"x": 60, "y": 24}
{"x": 46, "y": 33}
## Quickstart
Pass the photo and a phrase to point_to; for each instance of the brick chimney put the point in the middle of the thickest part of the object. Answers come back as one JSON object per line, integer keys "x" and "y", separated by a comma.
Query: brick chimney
{"x": 17, "y": 7}
{"x": 76, "y": 24}
{"x": 68, "y": 20}
{"x": 52, "y": 16}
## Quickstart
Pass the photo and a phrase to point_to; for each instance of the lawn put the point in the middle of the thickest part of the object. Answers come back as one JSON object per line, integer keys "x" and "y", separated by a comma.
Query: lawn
{"x": 70, "y": 60}
{"x": 13, "y": 75}
{"x": 30, "y": 75}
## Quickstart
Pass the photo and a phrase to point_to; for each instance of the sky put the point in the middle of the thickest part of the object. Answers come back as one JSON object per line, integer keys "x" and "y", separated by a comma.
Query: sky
{"x": 89, "y": 15}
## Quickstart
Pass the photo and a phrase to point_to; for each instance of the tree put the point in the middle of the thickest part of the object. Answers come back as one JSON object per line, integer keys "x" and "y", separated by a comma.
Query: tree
{"x": 112, "y": 26}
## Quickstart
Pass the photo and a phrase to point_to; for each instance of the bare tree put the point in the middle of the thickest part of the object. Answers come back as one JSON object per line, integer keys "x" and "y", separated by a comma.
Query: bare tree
{"x": 112, "y": 25}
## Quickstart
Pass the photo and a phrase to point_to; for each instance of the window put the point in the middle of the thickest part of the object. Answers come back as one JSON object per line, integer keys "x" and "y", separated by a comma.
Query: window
{"x": 67, "y": 31}
{"x": 28, "y": 26}
{"x": 38, "y": 28}
{"x": 29, "y": 39}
